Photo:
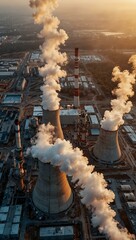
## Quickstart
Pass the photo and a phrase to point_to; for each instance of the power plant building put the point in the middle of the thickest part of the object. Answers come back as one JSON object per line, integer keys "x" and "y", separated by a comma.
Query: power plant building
{"x": 57, "y": 233}
{"x": 94, "y": 121}
{"x": 89, "y": 109}
{"x": 69, "y": 116}
{"x": 12, "y": 98}
{"x": 37, "y": 111}
{"x": 10, "y": 220}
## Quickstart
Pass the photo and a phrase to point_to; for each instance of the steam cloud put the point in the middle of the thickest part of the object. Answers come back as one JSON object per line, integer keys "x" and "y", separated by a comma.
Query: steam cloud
{"x": 93, "y": 191}
{"x": 51, "y": 55}
{"x": 114, "y": 118}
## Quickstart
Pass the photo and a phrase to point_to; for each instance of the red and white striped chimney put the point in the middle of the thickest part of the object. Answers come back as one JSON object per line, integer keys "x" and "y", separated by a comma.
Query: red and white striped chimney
{"x": 76, "y": 88}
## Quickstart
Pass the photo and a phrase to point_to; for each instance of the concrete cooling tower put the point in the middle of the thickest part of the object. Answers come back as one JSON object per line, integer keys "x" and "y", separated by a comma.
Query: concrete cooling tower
{"x": 107, "y": 149}
{"x": 52, "y": 193}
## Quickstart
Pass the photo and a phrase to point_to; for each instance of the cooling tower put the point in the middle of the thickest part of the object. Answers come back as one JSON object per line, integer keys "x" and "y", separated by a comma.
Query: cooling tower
{"x": 52, "y": 193}
{"x": 107, "y": 149}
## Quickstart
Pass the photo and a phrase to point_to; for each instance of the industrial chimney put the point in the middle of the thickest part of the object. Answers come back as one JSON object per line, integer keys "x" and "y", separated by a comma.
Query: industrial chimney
{"x": 52, "y": 193}
{"x": 76, "y": 88}
{"x": 107, "y": 149}
{"x": 18, "y": 170}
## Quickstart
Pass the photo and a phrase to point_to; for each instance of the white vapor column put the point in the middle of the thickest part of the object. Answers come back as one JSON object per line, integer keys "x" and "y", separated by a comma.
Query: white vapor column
{"x": 121, "y": 105}
{"x": 51, "y": 55}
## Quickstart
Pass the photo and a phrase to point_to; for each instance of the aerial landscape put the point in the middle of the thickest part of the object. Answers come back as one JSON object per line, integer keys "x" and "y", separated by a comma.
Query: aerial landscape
{"x": 67, "y": 120}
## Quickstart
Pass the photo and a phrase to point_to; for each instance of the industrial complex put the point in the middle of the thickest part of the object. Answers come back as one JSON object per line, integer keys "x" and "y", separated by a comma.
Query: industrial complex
{"x": 67, "y": 157}
{"x": 38, "y": 201}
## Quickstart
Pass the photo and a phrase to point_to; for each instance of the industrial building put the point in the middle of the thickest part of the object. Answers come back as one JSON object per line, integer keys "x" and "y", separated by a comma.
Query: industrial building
{"x": 69, "y": 116}
{"x": 89, "y": 109}
{"x": 94, "y": 121}
{"x": 57, "y": 233}
{"x": 7, "y": 119}
{"x": 69, "y": 82}
{"x": 12, "y": 98}
{"x": 35, "y": 57}
{"x": 89, "y": 58}
{"x": 37, "y": 111}
{"x": 9, "y": 67}
{"x": 10, "y": 219}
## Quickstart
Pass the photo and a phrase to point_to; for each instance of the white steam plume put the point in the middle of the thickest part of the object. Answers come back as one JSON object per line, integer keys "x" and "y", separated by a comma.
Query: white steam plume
{"x": 114, "y": 118}
{"x": 94, "y": 193}
{"x": 51, "y": 55}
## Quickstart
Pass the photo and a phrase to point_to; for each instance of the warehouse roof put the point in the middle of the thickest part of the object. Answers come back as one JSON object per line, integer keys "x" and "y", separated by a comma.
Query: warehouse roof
{"x": 56, "y": 231}
{"x": 69, "y": 112}
{"x": 89, "y": 109}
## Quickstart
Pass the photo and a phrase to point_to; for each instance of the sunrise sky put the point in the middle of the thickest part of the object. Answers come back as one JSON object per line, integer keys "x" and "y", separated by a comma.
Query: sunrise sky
{"x": 103, "y": 4}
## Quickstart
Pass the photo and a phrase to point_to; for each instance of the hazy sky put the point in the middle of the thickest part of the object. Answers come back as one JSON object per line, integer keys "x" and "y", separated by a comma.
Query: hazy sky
{"x": 68, "y": 2}
{"x": 9, "y": 5}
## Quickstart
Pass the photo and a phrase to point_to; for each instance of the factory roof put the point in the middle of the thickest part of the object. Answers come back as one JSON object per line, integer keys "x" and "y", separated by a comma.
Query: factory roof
{"x": 94, "y": 119}
{"x": 89, "y": 109}
{"x": 2, "y": 226}
{"x": 131, "y": 205}
{"x": 14, "y": 229}
{"x": 85, "y": 84}
{"x": 4, "y": 209}
{"x": 128, "y": 116}
{"x": 3, "y": 217}
{"x": 132, "y": 137}
{"x": 12, "y": 98}
{"x": 18, "y": 210}
{"x": 128, "y": 129}
{"x": 69, "y": 112}
{"x": 16, "y": 219}
{"x": 35, "y": 56}
{"x": 37, "y": 111}
{"x": 129, "y": 196}
{"x": 125, "y": 188}
{"x": 27, "y": 122}
{"x": 70, "y": 79}
{"x": 83, "y": 78}
{"x": 6, "y": 74}
{"x": 56, "y": 231}
{"x": 95, "y": 132}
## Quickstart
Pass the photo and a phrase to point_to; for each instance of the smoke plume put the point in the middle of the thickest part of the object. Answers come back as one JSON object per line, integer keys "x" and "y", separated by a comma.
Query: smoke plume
{"x": 93, "y": 193}
{"x": 51, "y": 55}
{"x": 114, "y": 118}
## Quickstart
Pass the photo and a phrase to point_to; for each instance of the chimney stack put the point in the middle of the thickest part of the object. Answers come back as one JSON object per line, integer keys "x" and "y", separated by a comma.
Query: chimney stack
{"x": 52, "y": 193}
{"x": 19, "y": 153}
{"x": 76, "y": 88}
{"x": 19, "y": 170}
{"x": 107, "y": 149}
